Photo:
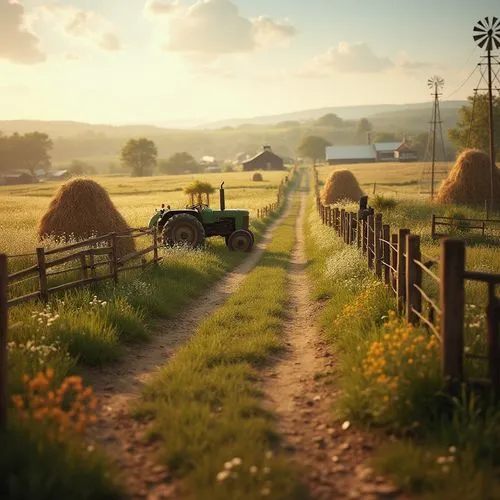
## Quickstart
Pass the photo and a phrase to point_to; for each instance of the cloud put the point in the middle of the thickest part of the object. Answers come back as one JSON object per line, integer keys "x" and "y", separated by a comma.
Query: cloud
{"x": 358, "y": 58}
{"x": 79, "y": 23}
{"x": 346, "y": 58}
{"x": 267, "y": 30}
{"x": 215, "y": 27}
{"x": 154, "y": 7}
{"x": 17, "y": 44}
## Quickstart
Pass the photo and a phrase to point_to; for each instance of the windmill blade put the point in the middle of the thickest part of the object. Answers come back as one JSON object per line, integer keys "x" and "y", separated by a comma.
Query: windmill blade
{"x": 481, "y": 40}
{"x": 479, "y": 30}
{"x": 493, "y": 22}
{"x": 480, "y": 22}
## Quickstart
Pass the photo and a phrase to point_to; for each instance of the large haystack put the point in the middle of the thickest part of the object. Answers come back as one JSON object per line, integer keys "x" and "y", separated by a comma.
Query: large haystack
{"x": 257, "y": 177}
{"x": 341, "y": 185}
{"x": 80, "y": 209}
{"x": 469, "y": 181}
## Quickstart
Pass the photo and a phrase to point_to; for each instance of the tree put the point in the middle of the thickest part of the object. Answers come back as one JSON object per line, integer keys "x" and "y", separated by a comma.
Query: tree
{"x": 386, "y": 137}
{"x": 480, "y": 130}
{"x": 313, "y": 147}
{"x": 32, "y": 151}
{"x": 78, "y": 167}
{"x": 179, "y": 163}
{"x": 330, "y": 120}
{"x": 363, "y": 128}
{"x": 140, "y": 156}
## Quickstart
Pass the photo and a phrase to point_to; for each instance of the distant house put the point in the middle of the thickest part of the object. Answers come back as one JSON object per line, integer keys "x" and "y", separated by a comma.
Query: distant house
{"x": 404, "y": 152}
{"x": 265, "y": 160}
{"x": 17, "y": 177}
{"x": 385, "y": 150}
{"x": 59, "y": 175}
{"x": 336, "y": 155}
{"x": 370, "y": 153}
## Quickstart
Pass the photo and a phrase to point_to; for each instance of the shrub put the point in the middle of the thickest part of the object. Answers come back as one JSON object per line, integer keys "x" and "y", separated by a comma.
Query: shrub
{"x": 380, "y": 202}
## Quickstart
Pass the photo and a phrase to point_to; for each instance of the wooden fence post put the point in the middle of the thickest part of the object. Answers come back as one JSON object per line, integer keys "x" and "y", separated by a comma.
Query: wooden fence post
{"x": 114, "y": 257}
{"x": 342, "y": 222}
{"x": 92, "y": 265}
{"x": 83, "y": 263}
{"x": 359, "y": 231}
{"x": 354, "y": 225}
{"x": 394, "y": 260}
{"x": 365, "y": 235}
{"x": 452, "y": 304}
{"x": 378, "y": 245}
{"x": 337, "y": 222}
{"x": 433, "y": 226}
{"x": 42, "y": 274}
{"x": 348, "y": 229}
{"x": 493, "y": 321}
{"x": 4, "y": 326}
{"x": 371, "y": 240}
{"x": 401, "y": 279}
{"x": 155, "y": 245}
{"x": 330, "y": 216}
{"x": 386, "y": 254}
{"x": 413, "y": 277}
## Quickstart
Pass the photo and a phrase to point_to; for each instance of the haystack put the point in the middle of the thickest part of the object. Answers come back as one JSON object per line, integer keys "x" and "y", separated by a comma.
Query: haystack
{"x": 81, "y": 209}
{"x": 469, "y": 181}
{"x": 341, "y": 185}
{"x": 257, "y": 177}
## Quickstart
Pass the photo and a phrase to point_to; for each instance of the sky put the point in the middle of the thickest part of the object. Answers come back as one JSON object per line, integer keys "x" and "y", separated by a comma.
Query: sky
{"x": 195, "y": 61}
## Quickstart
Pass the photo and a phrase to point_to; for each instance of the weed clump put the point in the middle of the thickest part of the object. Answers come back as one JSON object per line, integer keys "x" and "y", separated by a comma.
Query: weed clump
{"x": 380, "y": 202}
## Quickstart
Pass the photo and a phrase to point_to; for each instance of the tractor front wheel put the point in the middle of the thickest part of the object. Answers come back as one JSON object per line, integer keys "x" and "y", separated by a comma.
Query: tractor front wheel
{"x": 183, "y": 229}
{"x": 240, "y": 241}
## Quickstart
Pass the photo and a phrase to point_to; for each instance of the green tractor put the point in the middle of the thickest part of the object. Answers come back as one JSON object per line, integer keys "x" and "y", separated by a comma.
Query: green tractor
{"x": 191, "y": 225}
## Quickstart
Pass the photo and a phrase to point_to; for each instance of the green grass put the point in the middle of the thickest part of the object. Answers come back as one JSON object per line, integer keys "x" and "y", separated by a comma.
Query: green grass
{"x": 409, "y": 401}
{"x": 33, "y": 468}
{"x": 206, "y": 402}
{"x": 89, "y": 326}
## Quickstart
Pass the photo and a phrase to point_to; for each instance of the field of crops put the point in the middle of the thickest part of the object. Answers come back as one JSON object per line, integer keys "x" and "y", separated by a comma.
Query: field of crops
{"x": 21, "y": 207}
{"x": 413, "y": 209}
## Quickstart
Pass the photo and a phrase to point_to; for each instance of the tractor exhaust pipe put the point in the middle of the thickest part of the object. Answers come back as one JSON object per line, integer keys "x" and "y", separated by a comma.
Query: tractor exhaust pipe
{"x": 222, "y": 197}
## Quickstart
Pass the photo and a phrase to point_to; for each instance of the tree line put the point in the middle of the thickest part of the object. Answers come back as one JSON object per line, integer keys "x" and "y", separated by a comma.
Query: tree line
{"x": 32, "y": 151}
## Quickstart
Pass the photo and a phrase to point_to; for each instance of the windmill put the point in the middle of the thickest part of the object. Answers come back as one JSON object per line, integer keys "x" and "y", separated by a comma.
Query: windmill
{"x": 436, "y": 84}
{"x": 486, "y": 34}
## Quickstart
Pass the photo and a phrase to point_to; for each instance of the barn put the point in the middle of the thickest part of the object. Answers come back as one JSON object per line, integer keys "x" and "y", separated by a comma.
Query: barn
{"x": 336, "y": 155}
{"x": 265, "y": 160}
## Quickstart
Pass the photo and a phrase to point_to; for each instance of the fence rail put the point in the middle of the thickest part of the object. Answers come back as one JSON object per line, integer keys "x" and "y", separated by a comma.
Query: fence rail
{"x": 459, "y": 223}
{"x": 397, "y": 260}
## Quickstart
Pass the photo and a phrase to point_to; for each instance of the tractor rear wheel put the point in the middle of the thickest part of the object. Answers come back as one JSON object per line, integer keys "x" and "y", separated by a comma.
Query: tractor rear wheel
{"x": 183, "y": 229}
{"x": 240, "y": 241}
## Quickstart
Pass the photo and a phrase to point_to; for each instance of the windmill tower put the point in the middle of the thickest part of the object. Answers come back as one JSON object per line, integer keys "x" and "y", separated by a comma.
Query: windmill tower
{"x": 432, "y": 174}
{"x": 486, "y": 34}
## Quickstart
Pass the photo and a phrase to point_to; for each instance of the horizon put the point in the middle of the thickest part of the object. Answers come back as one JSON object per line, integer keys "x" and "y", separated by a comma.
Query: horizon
{"x": 204, "y": 61}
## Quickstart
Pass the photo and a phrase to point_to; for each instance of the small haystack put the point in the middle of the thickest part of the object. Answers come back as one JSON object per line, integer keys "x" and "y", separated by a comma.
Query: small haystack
{"x": 341, "y": 185}
{"x": 81, "y": 209}
{"x": 257, "y": 177}
{"x": 469, "y": 181}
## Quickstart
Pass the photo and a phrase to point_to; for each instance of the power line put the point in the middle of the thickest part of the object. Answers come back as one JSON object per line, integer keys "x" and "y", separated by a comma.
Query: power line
{"x": 464, "y": 82}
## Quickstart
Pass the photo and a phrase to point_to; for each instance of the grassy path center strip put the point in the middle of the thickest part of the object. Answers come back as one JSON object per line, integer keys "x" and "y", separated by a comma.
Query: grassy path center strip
{"x": 206, "y": 402}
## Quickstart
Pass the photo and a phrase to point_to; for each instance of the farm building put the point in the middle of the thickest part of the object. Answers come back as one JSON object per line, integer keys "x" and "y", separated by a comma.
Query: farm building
{"x": 17, "y": 177}
{"x": 265, "y": 160}
{"x": 405, "y": 153}
{"x": 385, "y": 150}
{"x": 370, "y": 153}
{"x": 336, "y": 155}
{"x": 59, "y": 175}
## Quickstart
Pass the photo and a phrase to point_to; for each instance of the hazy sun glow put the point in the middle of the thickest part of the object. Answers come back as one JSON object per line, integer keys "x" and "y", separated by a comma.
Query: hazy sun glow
{"x": 159, "y": 61}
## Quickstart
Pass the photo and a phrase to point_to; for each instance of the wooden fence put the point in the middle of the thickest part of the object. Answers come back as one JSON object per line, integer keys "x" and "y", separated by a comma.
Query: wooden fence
{"x": 93, "y": 260}
{"x": 434, "y": 299}
{"x": 462, "y": 224}
{"x": 263, "y": 213}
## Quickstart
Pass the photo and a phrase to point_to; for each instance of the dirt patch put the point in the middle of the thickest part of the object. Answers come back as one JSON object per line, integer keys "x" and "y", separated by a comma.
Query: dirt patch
{"x": 117, "y": 386}
{"x": 300, "y": 388}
